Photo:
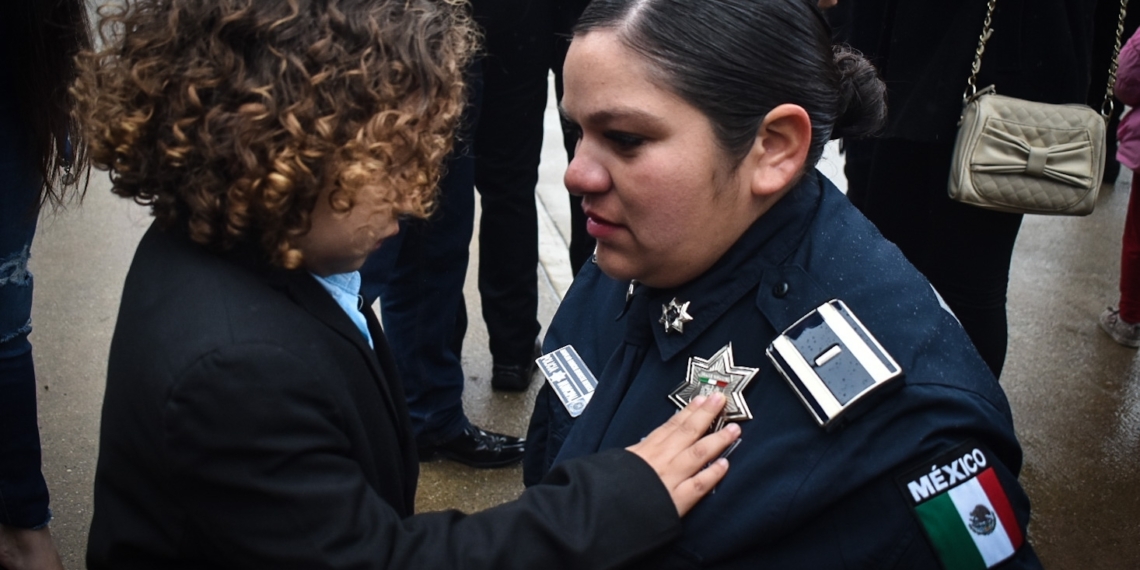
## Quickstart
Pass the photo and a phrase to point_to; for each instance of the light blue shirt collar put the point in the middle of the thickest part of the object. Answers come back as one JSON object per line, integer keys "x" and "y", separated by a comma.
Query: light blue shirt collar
{"x": 345, "y": 290}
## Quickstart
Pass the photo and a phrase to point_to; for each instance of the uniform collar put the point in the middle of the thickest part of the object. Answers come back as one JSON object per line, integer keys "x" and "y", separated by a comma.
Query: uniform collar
{"x": 767, "y": 243}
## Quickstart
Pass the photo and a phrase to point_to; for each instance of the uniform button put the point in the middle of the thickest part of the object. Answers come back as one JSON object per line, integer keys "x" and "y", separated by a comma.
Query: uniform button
{"x": 780, "y": 289}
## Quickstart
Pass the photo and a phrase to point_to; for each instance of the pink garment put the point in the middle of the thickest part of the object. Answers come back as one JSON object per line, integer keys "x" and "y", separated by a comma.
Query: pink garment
{"x": 1128, "y": 153}
{"x": 1130, "y": 258}
{"x": 1128, "y": 91}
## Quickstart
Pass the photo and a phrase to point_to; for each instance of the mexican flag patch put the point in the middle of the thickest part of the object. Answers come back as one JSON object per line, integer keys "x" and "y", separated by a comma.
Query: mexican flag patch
{"x": 963, "y": 509}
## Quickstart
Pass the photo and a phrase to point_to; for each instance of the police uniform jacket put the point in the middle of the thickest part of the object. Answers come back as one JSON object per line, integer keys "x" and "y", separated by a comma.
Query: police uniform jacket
{"x": 796, "y": 495}
{"x": 248, "y": 424}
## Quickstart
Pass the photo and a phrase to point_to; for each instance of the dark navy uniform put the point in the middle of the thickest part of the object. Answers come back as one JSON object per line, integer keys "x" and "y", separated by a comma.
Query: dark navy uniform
{"x": 796, "y": 495}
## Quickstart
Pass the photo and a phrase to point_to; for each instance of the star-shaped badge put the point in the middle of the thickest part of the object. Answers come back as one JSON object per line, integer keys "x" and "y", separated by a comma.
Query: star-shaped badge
{"x": 674, "y": 316}
{"x": 717, "y": 374}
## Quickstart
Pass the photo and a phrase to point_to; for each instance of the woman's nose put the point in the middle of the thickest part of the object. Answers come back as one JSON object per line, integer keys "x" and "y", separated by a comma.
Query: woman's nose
{"x": 585, "y": 175}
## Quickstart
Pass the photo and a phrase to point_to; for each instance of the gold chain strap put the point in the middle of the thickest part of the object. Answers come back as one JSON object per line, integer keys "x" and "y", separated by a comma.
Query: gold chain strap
{"x": 987, "y": 30}
{"x": 1108, "y": 105}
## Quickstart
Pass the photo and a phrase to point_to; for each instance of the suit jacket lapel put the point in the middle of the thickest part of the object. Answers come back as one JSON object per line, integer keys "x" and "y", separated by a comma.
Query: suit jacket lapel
{"x": 403, "y": 420}
{"x": 311, "y": 296}
{"x": 306, "y": 292}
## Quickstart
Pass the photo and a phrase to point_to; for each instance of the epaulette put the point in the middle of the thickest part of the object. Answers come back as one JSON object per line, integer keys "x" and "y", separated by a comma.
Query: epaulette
{"x": 833, "y": 363}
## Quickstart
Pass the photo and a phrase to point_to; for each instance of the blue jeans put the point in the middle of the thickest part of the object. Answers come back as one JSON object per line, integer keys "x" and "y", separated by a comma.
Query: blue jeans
{"x": 23, "y": 492}
{"x": 418, "y": 276}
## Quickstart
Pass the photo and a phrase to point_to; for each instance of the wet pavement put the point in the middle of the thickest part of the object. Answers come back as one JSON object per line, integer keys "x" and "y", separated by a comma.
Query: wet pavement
{"x": 1075, "y": 393}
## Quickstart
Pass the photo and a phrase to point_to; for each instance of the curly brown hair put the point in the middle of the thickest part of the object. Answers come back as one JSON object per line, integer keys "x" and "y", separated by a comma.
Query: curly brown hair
{"x": 228, "y": 117}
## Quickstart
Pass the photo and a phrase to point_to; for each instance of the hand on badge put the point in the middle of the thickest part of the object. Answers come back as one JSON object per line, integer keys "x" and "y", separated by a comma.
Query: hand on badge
{"x": 688, "y": 463}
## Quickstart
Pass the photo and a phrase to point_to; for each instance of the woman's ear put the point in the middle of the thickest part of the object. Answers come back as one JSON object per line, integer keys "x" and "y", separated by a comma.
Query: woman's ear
{"x": 780, "y": 150}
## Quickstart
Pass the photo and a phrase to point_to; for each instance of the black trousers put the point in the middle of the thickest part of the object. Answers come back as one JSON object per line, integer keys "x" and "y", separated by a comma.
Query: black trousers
{"x": 900, "y": 185}
{"x": 524, "y": 40}
{"x": 418, "y": 275}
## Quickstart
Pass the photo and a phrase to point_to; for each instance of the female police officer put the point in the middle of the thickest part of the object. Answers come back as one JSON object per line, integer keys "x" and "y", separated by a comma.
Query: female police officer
{"x": 873, "y": 434}
{"x": 252, "y": 418}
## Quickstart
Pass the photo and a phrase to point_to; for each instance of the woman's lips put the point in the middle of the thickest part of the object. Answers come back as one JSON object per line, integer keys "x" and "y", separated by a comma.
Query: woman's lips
{"x": 599, "y": 227}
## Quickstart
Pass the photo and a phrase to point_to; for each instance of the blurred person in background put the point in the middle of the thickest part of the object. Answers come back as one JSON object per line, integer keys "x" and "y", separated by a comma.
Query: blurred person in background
{"x": 419, "y": 274}
{"x": 41, "y": 161}
{"x": 1040, "y": 51}
{"x": 1122, "y": 320}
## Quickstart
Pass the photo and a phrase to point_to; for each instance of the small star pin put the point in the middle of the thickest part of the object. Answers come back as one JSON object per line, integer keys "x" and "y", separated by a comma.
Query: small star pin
{"x": 717, "y": 374}
{"x": 674, "y": 316}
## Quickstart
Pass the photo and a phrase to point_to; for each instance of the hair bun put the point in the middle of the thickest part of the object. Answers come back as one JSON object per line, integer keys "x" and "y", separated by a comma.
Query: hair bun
{"x": 862, "y": 101}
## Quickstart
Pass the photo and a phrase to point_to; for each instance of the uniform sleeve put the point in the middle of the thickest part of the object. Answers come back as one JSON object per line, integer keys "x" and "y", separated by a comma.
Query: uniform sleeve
{"x": 935, "y": 486}
{"x": 268, "y": 480}
{"x": 962, "y": 493}
{"x": 549, "y": 425}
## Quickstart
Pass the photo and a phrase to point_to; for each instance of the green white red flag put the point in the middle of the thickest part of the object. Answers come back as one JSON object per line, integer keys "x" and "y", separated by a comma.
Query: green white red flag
{"x": 964, "y": 510}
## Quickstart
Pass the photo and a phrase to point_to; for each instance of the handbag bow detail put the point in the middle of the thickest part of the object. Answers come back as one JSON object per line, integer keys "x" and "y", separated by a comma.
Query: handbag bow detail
{"x": 1002, "y": 153}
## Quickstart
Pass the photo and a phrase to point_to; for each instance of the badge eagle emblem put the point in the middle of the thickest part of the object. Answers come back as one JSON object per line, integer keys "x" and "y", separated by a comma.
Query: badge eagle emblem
{"x": 717, "y": 374}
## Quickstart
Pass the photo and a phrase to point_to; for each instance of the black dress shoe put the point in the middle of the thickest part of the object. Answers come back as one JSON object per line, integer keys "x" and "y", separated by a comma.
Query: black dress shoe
{"x": 515, "y": 377}
{"x": 510, "y": 378}
{"x": 478, "y": 448}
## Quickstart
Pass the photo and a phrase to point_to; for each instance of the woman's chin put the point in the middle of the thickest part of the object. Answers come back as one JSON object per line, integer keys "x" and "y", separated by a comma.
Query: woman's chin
{"x": 615, "y": 265}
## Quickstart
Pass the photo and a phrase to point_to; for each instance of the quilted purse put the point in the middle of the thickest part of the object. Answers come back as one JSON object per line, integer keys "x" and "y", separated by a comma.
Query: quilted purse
{"x": 1025, "y": 157}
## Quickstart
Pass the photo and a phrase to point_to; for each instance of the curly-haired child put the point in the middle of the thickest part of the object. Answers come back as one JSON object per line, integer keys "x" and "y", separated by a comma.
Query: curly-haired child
{"x": 252, "y": 417}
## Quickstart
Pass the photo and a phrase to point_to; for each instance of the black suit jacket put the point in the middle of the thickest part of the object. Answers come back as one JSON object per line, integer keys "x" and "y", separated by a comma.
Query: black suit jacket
{"x": 248, "y": 424}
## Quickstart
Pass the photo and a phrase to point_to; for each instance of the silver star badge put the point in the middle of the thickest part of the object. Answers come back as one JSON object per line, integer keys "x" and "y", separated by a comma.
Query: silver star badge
{"x": 674, "y": 316}
{"x": 717, "y": 374}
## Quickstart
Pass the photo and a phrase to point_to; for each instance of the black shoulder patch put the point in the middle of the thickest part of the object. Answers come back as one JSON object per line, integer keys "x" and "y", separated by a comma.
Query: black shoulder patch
{"x": 962, "y": 507}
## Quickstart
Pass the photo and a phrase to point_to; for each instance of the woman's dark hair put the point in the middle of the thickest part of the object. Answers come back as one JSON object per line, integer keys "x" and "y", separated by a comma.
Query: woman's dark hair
{"x": 736, "y": 60}
{"x": 40, "y": 39}
{"x": 230, "y": 117}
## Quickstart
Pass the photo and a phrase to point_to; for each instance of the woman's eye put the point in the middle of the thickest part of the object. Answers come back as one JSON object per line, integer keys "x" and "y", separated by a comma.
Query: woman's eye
{"x": 571, "y": 128}
{"x": 624, "y": 141}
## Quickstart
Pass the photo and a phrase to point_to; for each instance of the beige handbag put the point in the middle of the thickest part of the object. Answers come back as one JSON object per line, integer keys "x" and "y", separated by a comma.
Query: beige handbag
{"x": 1019, "y": 156}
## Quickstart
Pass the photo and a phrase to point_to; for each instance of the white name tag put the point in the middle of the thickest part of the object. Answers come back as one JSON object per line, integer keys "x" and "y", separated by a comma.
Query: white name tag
{"x": 570, "y": 378}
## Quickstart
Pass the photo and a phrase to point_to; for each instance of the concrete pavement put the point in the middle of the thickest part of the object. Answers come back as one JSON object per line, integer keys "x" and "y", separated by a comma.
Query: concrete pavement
{"x": 1075, "y": 393}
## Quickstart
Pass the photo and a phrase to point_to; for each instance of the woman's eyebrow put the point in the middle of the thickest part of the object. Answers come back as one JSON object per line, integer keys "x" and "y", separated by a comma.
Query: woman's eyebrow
{"x": 563, "y": 115}
{"x": 606, "y": 116}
